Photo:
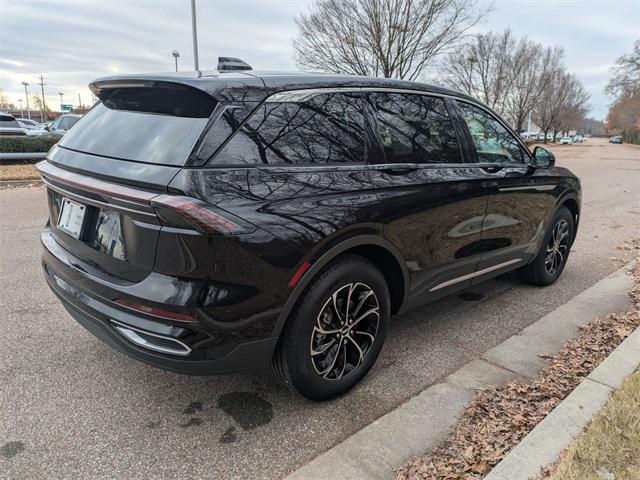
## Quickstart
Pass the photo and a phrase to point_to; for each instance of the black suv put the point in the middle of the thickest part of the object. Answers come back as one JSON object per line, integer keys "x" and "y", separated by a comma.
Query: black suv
{"x": 207, "y": 224}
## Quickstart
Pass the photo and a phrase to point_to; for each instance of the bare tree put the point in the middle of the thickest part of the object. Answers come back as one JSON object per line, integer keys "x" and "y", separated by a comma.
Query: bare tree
{"x": 485, "y": 67}
{"x": 5, "y": 104}
{"x": 505, "y": 72}
{"x": 529, "y": 81}
{"x": 627, "y": 73}
{"x": 389, "y": 38}
{"x": 561, "y": 105}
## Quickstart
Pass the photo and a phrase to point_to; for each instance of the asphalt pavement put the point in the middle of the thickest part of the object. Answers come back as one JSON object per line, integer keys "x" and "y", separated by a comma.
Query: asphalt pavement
{"x": 71, "y": 407}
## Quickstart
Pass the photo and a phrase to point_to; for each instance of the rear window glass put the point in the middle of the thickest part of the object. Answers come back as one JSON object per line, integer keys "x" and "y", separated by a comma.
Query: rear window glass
{"x": 135, "y": 135}
{"x": 415, "y": 129}
{"x": 328, "y": 129}
{"x": 8, "y": 122}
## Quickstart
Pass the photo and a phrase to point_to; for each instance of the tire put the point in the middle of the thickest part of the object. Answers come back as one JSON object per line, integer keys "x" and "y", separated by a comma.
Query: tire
{"x": 311, "y": 361}
{"x": 541, "y": 271}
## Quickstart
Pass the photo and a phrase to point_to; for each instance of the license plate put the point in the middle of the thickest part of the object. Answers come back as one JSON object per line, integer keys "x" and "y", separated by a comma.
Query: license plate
{"x": 71, "y": 217}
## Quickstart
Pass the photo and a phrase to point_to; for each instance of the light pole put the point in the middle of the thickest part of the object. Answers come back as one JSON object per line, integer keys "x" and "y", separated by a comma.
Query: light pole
{"x": 26, "y": 95}
{"x": 194, "y": 31}
{"x": 79, "y": 101}
{"x": 176, "y": 54}
{"x": 61, "y": 94}
{"x": 21, "y": 111}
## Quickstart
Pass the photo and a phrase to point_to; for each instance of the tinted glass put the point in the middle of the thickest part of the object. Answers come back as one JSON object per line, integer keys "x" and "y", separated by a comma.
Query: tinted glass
{"x": 142, "y": 137}
{"x": 325, "y": 129}
{"x": 64, "y": 123}
{"x": 493, "y": 142}
{"x": 8, "y": 122}
{"x": 415, "y": 129}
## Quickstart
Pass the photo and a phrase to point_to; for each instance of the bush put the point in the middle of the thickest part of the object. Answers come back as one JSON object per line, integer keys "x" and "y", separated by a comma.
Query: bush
{"x": 10, "y": 144}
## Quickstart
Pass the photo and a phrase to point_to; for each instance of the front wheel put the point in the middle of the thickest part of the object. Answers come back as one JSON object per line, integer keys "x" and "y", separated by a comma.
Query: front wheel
{"x": 553, "y": 255}
{"x": 336, "y": 330}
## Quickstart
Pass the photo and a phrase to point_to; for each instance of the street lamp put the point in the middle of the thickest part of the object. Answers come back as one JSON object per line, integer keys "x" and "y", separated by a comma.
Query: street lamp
{"x": 21, "y": 111}
{"x": 176, "y": 54}
{"x": 27, "y": 97}
{"x": 61, "y": 94}
{"x": 194, "y": 32}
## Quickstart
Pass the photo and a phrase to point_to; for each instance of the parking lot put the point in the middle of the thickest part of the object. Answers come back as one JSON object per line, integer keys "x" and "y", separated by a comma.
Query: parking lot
{"x": 71, "y": 406}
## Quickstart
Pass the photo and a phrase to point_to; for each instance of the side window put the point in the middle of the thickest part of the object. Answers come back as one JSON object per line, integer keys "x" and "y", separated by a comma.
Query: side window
{"x": 64, "y": 124}
{"x": 493, "y": 142}
{"x": 415, "y": 129}
{"x": 325, "y": 129}
{"x": 56, "y": 123}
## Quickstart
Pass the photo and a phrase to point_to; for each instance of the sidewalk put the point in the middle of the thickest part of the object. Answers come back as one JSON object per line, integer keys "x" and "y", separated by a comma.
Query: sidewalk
{"x": 424, "y": 421}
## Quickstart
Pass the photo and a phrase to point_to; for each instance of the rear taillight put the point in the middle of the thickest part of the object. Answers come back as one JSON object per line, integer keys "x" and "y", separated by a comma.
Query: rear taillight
{"x": 186, "y": 212}
{"x": 156, "y": 312}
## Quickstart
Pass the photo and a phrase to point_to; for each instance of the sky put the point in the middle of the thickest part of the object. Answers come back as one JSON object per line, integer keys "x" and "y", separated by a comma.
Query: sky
{"x": 72, "y": 42}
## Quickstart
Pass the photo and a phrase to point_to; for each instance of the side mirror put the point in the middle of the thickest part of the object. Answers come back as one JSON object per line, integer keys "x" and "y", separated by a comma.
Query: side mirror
{"x": 543, "y": 158}
{"x": 47, "y": 128}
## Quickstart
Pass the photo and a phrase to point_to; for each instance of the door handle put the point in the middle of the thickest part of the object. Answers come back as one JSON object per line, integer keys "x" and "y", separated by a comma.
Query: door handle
{"x": 492, "y": 169}
{"x": 398, "y": 170}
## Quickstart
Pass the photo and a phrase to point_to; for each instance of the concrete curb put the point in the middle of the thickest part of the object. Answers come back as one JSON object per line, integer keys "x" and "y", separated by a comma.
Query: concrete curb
{"x": 544, "y": 444}
{"x": 425, "y": 420}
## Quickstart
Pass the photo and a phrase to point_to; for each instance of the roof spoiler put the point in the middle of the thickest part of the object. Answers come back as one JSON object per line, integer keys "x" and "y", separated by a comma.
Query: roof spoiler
{"x": 232, "y": 63}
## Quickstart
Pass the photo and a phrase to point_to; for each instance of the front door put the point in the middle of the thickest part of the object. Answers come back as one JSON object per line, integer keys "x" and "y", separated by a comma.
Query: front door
{"x": 432, "y": 201}
{"x": 519, "y": 197}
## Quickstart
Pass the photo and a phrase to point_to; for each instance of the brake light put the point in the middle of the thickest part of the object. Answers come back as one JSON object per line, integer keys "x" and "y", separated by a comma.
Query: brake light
{"x": 179, "y": 211}
{"x": 156, "y": 312}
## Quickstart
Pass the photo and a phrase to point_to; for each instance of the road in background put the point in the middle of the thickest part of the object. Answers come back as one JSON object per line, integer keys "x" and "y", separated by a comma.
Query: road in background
{"x": 70, "y": 406}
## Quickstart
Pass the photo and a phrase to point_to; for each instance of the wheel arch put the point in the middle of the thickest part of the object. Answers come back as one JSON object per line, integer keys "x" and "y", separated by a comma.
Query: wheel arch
{"x": 374, "y": 248}
{"x": 572, "y": 202}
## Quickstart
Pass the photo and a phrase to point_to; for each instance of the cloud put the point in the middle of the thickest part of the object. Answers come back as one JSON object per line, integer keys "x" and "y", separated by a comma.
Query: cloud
{"x": 72, "y": 42}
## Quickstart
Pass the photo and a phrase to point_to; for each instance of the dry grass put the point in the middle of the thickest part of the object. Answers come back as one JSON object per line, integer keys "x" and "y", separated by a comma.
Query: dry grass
{"x": 19, "y": 172}
{"x": 610, "y": 446}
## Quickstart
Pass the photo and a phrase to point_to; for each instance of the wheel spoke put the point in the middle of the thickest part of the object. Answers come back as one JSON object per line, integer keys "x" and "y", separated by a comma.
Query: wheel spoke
{"x": 324, "y": 348}
{"x": 333, "y": 362}
{"x": 371, "y": 337}
{"x": 360, "y": 352}
{"x": 371, "y": 311}
{"x": 361, "y": 303}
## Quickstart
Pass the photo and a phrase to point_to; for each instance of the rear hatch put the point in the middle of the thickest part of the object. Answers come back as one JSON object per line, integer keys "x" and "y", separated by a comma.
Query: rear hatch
{"x": 105, "y": 172}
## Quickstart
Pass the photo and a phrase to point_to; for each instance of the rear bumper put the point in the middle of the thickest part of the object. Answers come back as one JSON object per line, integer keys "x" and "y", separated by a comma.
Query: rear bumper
{"x": 87, "y": 301}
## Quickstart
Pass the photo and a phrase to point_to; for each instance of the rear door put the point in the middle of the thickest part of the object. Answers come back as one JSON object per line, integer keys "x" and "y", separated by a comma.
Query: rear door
{"x": 519, "y": 196}
{"x": 432, "y": 198}
{"x": 103, "y": 173}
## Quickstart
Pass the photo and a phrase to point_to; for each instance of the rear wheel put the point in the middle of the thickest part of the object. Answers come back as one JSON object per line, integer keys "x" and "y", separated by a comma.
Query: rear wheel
{"x": 335, "y": 331}
{"x": 553, "y": 255}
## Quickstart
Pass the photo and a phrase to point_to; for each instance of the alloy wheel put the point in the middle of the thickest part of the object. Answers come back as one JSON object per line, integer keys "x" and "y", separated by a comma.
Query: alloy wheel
{"x": 558, "y": 247}
{"x": 345, "y": 331}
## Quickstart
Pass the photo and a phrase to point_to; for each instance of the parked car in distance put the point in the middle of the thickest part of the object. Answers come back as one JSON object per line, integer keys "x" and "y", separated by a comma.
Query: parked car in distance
{"x": 60, "y": 126}
{"x": 31, "y": 127}
{"x": 566, "y": 141}
{"x": 27, "y": 123}
{"x": 615, "y": 139}
{"x": 578, "y": 138}
{"x": 234, "y": 220}
{"x": 10, "y": 126}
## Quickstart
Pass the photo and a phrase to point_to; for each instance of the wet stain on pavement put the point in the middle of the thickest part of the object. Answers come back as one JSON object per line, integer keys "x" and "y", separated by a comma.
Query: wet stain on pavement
{"x": 229, "y": 436}
{"x": 470, "y": 296}
{"x": 192, "y": 408}
{"x": 248, "y": 409}
{"x": 11, "y": 449}
{"x": 191, "y": 422}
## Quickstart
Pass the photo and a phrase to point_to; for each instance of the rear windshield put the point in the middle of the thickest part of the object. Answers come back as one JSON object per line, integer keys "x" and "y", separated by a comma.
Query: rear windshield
{"x": 157, "y": 126}
{"x": 8, "y": 122}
